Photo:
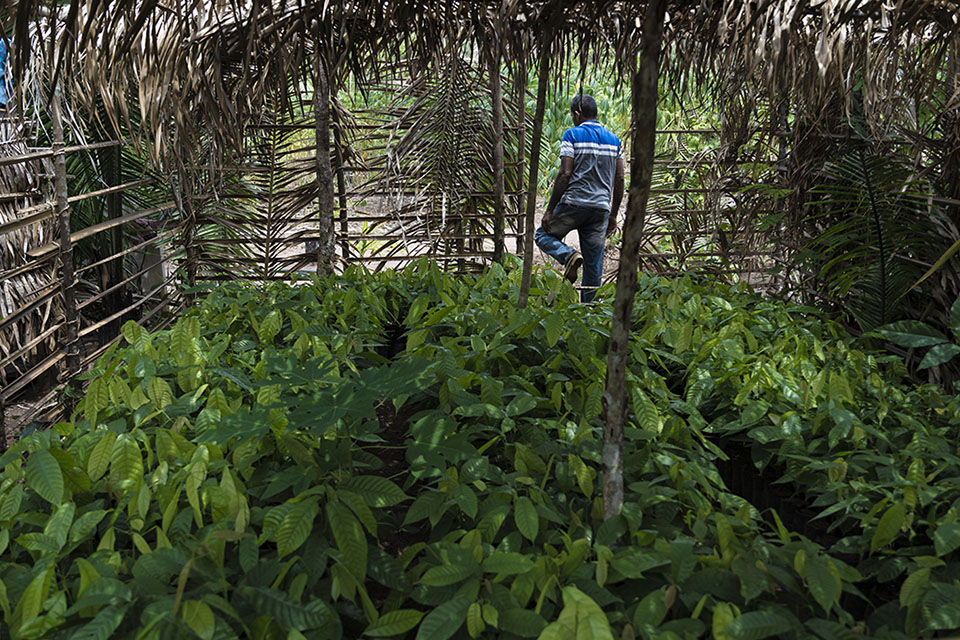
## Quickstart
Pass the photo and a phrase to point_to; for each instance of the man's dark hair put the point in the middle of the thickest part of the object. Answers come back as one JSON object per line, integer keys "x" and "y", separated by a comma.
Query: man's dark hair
{"x": 585, "y": 104}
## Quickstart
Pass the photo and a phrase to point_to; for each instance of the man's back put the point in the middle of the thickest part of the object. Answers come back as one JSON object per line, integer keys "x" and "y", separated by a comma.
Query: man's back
{"x": 595, "y": 150}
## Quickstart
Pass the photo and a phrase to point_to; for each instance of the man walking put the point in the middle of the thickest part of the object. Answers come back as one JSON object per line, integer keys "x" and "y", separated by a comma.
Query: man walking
{"x": 589, "y": 181}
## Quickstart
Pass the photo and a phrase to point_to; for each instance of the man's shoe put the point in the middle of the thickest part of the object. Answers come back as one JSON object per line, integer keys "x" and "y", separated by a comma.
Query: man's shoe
{"x": 572, "y": 266}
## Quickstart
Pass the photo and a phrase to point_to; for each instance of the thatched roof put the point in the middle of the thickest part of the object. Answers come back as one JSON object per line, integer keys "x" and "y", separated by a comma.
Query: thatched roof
{"x": 202, "y": 70}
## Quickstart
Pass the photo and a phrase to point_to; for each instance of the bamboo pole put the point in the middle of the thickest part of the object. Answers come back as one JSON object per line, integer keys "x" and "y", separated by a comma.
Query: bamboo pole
{"x": 321, "y": 111}
{"x": 645, "y": 94}
{"x": 499, "y": 188}
{"x": 542, "y": 79}
{"x": 71, "y": 326}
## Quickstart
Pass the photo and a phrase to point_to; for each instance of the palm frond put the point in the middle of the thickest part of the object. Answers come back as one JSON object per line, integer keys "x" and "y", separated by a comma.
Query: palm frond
{"x": 877, "y": 233}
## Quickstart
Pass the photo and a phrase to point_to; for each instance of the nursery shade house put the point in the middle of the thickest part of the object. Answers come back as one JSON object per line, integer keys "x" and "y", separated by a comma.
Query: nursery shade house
{"x": 251, "y": 250}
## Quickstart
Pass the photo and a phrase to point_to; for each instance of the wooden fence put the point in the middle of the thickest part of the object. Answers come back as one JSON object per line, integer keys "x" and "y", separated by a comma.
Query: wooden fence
{"x": 66, "y": 291}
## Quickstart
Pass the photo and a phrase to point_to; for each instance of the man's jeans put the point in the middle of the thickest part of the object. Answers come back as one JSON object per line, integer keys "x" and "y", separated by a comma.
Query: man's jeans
{"x": 591, "y": 225}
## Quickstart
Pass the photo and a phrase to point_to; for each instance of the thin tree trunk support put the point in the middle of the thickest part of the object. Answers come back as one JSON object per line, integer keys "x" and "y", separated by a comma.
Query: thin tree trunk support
{"x": 499, "y": 189}
{"x": 326, "y": 251}
{"x": 645, "y": 87}
{"x": 542, "y": 80}
{"x": 68, "y": 281}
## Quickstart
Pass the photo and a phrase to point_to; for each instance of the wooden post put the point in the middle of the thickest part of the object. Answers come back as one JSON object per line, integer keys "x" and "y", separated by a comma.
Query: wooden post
{"x": 499, "y": 188}
{"x": 110, "y": 163}
{"x": 645, "y": 94}
{"x": 521, "y": 86}
{"x": 528, "y": 225}
{"x": 3, "y": 424}
{"x": 326, "y": 249}
{"x": 341, "y": 196}
{"x": 68, "y": 281}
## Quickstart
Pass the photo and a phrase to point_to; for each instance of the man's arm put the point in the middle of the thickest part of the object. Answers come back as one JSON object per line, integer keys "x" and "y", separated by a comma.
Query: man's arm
{"x": 617, "y": 198}
{"x": 560, "y": 185}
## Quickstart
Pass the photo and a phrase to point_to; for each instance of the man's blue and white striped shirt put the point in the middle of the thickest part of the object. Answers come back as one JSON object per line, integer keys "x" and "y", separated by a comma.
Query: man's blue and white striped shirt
{"x": 594, "y": 150}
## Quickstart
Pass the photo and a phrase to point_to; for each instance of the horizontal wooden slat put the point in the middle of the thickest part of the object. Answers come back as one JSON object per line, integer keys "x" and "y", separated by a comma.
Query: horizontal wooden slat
{"x": 25, "y": 268}
{"x": 48, "y": 293}
{"x": 156, "y": 240}
{"x": 37, "y": 153}
{"x": 28, "y": 216}
{"x": 31, "y": 376}
{"x": 115, "y": 189}
{"x": 94, "y": 327}
{"x": 30, "y": 345}
{"x": 77, "y": 236}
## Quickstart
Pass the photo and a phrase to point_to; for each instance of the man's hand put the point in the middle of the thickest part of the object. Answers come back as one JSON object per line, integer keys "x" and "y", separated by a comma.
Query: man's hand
{"x": 611, "y": 227}
{"x": 545, "y": 220}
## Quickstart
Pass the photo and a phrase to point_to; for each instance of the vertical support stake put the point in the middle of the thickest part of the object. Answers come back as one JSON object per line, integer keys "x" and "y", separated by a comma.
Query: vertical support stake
{"x": 499, "y": 187}
{"x": 533, "y": 184}
{"x": 68, "y": 281}
{"x": 326, "y": 248}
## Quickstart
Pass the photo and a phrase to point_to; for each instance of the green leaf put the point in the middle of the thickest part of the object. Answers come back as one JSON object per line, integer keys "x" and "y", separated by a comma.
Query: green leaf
{"x": 44, "y": 476}
{"x": 946, "y": 617}
{"x": 913, "y": 588}
{"x": 445, "y": 620}
{"x": 823, "y": 580}
{"x": 200, "y": 618}
{"x": 376, "y": 491}
{"x": 583, "y": 473}
{"x": 651, "y": 610}
{"x": 447, "y": 574}
{"x": 684, "y": 338}
{"x": 296, "y": 526}
{"x": 553, "y": 326}
{"x": 955, "y": 313}
{"x": 889, "y": 527}
{"x": 475, "y": 624}
{"x": 126, "y": 466}
{"x": 911, "y": 333}
{"x": 946, "y": 538}
{"x": 133, "y": 333}
{"x": 270, "y": 327}
{"x": 942, "y": 260}
{"x": 4, "y": 601}
{"x": 648, "y": 416}
{"x": 286, "y": 612}
{"x": 525, "y": 515}
{"x": 756, "y": 625}
{"x": 145, "y": 368}
{"x": 159, "y": 392}
{"x": 99, "y": 458}
{"x": 31, "y": 600}
{"x": 507, "y": 563}
{"x": 938, "y": 355}
{"x": 522, "y": 622}
{"x": 59, "y": 523}
{"x": 103, "y": 624}
{"x": 349, "y": 538}
{"x": 580, "y": 619}
{"x": 360, "y": 509}
{"x": 394, "y": 623}
{"x": 723, "y": 615}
